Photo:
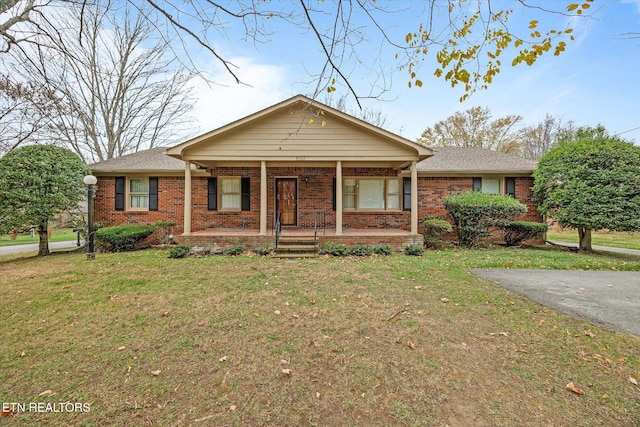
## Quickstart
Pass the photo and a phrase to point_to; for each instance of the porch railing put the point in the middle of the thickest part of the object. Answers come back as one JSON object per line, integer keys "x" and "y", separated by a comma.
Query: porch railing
{"x": 278, "y": 228}
{"x": 315, "y": 232}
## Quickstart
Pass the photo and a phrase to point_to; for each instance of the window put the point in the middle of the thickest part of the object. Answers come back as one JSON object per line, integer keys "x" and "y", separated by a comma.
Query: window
{"x": 230, "y": 194}
{"x": 374, "y": 194}
{"x": 487, "y": 185}
{"x": 140, "y": 194}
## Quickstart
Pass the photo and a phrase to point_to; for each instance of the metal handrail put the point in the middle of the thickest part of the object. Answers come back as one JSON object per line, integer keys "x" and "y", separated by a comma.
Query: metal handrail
{"x": 315, "y": 232}
{"x": 278, "y": 228}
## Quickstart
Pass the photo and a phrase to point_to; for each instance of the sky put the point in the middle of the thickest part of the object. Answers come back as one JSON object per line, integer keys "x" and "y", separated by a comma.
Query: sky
{"x": 595, "y": 81}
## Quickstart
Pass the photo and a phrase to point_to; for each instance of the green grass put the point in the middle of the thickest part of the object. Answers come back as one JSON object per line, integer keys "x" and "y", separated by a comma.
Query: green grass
{"x": 221, "y": 329}
{"x": 602, "y": 238}
{"x": 58, "y": 235}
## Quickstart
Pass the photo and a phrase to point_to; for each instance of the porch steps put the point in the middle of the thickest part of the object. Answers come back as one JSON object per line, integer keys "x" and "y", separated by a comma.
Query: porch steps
{"x": 296, "y": 247}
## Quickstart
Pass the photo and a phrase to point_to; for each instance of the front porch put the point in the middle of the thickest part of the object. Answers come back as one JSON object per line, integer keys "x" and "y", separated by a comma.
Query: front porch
{"x": 218, "y": 239}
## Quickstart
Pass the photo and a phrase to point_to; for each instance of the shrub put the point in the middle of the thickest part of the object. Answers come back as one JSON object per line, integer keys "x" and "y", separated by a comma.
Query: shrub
{"x": 336, "y": 250}
{"x": 179, "y": 251}
{"x": 123, "y": 237}
{"x": 414, "y": 250}
{"x": 361, "y": 250}
{"x": 474, "y": 213}
{"x": 433, "y": 228}
{"x": 164, "y": 228}
{"x": 234, "y": 250}
{"x": 514, "y": 232}
{"x": 382, "y": 250}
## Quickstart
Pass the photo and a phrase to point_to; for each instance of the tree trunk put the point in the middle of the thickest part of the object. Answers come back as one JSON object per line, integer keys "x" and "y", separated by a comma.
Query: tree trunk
{"x": 585, "y": 239}
{"x": 43, "y": 249}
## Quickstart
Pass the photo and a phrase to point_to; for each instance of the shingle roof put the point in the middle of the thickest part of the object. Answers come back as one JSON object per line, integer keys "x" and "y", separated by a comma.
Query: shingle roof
{"x": 445, "y": 161}
{"x": 470, "y": 160}
{"x": 152, "y": 160}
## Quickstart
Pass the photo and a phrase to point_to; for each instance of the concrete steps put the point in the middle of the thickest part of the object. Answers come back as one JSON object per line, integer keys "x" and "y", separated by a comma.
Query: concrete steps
{"x": 296, "y": 247}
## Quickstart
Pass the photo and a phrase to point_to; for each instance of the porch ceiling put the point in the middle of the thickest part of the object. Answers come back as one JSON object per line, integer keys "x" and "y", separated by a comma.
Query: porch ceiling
{"x": 386, "y": 163}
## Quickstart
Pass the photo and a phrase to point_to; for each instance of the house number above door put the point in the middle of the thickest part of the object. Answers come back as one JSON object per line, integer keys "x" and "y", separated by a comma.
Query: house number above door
{"x": 300, "y": 158}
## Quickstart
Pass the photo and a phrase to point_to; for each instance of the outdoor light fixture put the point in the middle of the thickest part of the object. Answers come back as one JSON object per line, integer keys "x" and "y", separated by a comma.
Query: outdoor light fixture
{"x": 90, "y": 181}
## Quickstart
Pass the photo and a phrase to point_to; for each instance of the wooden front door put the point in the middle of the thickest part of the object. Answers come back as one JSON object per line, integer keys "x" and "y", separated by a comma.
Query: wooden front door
{"x": 287, "y": 200}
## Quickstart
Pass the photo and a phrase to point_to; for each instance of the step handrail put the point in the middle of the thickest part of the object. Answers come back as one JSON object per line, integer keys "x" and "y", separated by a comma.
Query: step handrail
{"x": 278, "y": 229}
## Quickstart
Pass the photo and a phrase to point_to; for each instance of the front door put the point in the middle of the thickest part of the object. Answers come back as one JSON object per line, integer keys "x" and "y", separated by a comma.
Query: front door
{"x": 287, "y": 200}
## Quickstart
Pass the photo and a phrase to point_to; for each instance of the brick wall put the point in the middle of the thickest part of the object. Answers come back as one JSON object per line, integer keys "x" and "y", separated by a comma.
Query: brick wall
{"x": 315, "y": 195}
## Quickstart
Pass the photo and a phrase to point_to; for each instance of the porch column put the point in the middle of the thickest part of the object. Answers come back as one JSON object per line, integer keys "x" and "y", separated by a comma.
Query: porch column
{"x": 263, "y": 198}
{"x": 414, "y": 198}
{"x": 187, "y": 198}
{"x": 338, "y": 198}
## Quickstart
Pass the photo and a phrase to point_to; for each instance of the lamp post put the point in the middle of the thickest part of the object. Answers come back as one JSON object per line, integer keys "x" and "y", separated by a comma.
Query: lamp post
{"x": 90, "y": 181}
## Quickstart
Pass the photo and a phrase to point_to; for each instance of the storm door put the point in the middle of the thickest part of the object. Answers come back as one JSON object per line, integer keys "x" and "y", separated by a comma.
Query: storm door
{"x": 287, "y": 200}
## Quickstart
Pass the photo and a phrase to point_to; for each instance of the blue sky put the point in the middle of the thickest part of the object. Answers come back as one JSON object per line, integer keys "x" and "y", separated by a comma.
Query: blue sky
{"x": 595, "y": 81}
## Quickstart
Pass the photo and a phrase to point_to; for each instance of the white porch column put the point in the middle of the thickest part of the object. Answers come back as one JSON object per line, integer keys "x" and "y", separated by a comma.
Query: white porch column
{"x": 338, "y": 198}
{"x": 414, "y": 198}
{"x": 263, "y": 198}
{"x": 187, "y": 198}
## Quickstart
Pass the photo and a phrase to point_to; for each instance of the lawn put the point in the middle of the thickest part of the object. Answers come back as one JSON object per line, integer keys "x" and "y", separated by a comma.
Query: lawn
{"x": 603, "y": 238}
{"x": 380, "y": 341}
{"x": 58, "y": 235}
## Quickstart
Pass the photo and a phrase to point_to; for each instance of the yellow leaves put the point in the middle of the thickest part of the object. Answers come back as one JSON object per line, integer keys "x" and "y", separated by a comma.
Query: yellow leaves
{"x": 310, "y": 121}
{"x": 579, "y": 8}
{"x": 533, "y": 24}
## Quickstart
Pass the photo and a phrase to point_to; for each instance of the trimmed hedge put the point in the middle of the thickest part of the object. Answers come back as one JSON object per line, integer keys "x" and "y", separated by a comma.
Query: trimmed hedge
{"x": 123, "y": 237}
{"x": 433, "y": 228}
{"x": 515, "y": 232}
{"x": 474, "y": 213}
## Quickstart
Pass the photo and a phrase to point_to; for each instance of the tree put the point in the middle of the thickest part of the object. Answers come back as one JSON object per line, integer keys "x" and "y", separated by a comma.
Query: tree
{"x": 590, "y": 183}
{"x": 111, "y": 89}
{"x": 538, "y": 139}
{"x": 374, "y": 117}
{"x": 468, "y": 39}
{"x": 474, "y": 128}
{"x": 19, "y": 121}
{"x": 38, "y": 182}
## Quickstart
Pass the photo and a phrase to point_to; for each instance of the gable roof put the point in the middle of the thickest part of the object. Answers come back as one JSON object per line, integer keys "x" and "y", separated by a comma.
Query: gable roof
{"x": 474, "y": 161}
{"x": 299, "y": 128}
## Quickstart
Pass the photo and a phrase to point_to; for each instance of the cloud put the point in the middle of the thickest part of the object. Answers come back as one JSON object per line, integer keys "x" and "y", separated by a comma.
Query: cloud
{"x": 222, "y": 100}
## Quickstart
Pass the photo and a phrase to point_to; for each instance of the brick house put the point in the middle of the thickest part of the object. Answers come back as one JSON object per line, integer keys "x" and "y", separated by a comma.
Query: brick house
{"x": 302, "y": 168}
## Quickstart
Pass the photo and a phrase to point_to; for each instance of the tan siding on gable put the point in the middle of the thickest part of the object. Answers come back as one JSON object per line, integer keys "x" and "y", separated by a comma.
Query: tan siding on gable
{"x": 289, "y": 135}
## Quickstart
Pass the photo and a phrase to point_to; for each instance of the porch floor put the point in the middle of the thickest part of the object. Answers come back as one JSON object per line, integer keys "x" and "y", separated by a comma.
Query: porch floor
{"x": 300, "y": 232}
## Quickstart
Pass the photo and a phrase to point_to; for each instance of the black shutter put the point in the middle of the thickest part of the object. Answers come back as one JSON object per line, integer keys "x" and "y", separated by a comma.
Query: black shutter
{"x": 120, "y": 193}
{"x": 153, "y": 194}
{"x": 246, "y": 194}
{"x": 212, "y": 194}
{"x": 510, "y": 184}
{"x": 406, "y": 194}
{"x": 334, "y": 193}
{"x": 477, "y": 184}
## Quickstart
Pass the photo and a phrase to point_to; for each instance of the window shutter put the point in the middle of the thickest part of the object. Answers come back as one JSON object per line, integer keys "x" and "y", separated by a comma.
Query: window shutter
{"x": 153, "y": 194}
{"x": 245, "y": 188}
{"x": 477, "y": 184}
{"x": 510, "y": 184}
{"x": 406, "y": 194}
{"x": 334, "y": 193}
{"x": 212, "y": 194}
{"x": 119, "y": 193}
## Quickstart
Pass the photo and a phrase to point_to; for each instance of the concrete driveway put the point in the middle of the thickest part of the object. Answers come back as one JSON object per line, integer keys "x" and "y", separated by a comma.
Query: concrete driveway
{"x": 33, "y": 247}
{"x": 609, "y": 299}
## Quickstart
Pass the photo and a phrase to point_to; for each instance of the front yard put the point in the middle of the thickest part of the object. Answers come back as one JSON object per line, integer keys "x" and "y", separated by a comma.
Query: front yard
{"x": 260, "y": 341}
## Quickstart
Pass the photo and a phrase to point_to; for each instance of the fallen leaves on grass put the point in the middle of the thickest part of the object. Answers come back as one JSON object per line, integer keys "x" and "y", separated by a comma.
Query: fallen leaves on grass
{"x": 411, "y": 345}
{"x": 47, "y": 393}
{"x": 287, "y": 372}
{"x": 223, "y": 359}
{"x": 122, "y": 347}
{"x": 633, "y": 381}
{"x": 572, "y": 387}
{"x": 444, "y": 300}
{"x": 156, "y": 373}
{"x": 589, "y": 333}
